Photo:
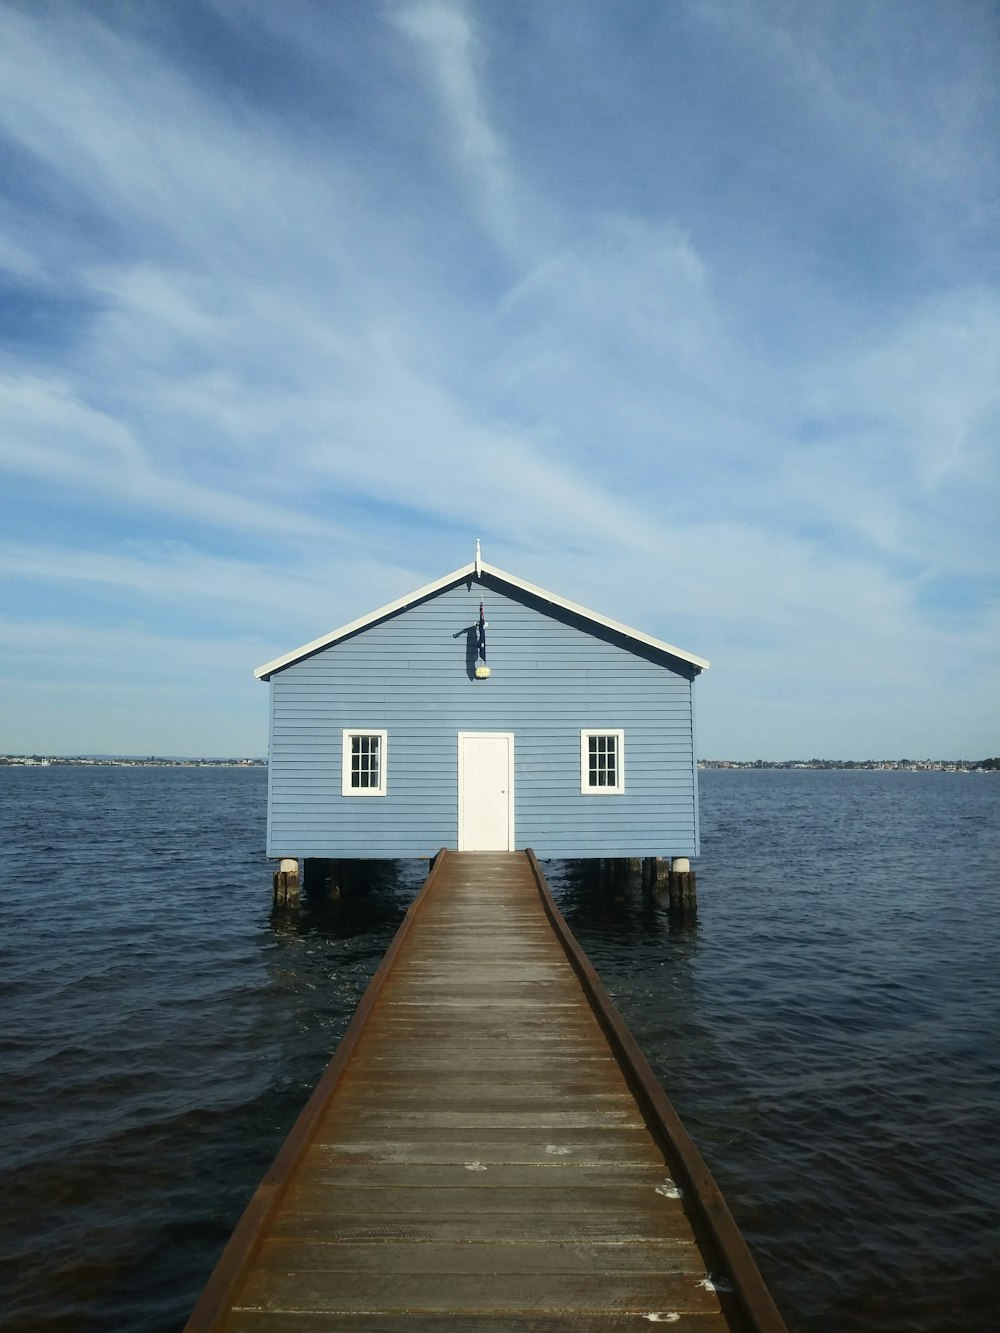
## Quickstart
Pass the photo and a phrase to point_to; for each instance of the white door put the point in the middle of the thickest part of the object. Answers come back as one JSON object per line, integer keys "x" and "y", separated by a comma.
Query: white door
{"x": 485, "y": 791}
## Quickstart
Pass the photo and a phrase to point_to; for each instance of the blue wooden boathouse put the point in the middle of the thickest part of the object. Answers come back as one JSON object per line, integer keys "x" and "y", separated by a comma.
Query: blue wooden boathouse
{"x": 534, "y": 723}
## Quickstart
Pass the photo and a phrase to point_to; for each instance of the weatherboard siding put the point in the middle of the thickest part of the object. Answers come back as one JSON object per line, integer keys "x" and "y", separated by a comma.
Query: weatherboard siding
{"x": 553, "y": 676}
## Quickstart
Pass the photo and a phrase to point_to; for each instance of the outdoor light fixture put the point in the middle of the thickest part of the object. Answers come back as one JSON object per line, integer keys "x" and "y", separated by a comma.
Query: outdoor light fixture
{"x": 482, "y": 670}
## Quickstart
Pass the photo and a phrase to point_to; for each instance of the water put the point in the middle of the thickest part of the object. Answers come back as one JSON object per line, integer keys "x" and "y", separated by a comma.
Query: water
{"x": 828, "y": 1029}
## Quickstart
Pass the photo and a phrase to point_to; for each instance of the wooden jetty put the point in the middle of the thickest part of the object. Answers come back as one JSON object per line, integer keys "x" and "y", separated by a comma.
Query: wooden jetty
{"x": 487, "y": 1150}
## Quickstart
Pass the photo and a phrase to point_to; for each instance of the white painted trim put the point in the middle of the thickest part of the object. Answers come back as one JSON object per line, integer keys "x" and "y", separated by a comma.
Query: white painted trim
{"x": 491, "y": 735}
{"x": 619, "y": 788}
{"x": 700, "y": 662}
{"x": 467, "y": 571}
{"x": 471, "y": 571}
{"x": 345, "y": 762}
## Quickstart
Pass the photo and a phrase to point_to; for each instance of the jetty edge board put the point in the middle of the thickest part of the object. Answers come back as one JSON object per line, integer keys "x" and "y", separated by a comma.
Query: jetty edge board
{"x": 668, "y": 1129}
{"x": 216, "y": 1300}
{"x": 488, "y": 1149}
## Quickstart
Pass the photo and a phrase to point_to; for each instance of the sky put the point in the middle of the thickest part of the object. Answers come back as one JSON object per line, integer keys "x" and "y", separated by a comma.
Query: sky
{"x": 689, "y": 309}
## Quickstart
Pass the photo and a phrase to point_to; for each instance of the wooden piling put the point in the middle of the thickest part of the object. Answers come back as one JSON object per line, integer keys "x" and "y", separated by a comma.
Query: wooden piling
{"x": 286, "y": 883}
{"x": 655, "y": 874}
{"x": 321, "y": 877}
{"x": 682, "y": 887}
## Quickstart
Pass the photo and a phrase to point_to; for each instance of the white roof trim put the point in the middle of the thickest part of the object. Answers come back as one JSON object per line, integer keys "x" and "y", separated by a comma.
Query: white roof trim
{"x": 473, "y": 570}
{"x": 629, "y": 633}
{"x": 467, "y": 571}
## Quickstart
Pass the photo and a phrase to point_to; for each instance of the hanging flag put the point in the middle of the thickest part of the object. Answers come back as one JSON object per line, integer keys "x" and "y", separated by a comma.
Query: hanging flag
{"x": 481, "y": 646}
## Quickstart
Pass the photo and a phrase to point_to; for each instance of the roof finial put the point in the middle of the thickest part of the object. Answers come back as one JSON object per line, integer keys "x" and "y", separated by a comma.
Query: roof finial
{"x": 478, "y": 559}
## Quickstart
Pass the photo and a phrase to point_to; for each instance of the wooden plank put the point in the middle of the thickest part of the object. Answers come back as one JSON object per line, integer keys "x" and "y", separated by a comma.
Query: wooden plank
{"x": 310, "y": 1290}
{"x": 422, "y": 1257}
{"x": 488, "y": 1028}
{"x": 546, "y": 1118}
{"x": 476, "y": 1099}
{"x": 450, "y": 1086}
{"x": 257, "y": 1321}
{"x": 556, "y": 1172}
{"x": 473, "y": 1043}
{"x": 334, "y": 1129}
{"x": 486, "y": 1024}
{"x": 489, "y": 1061}
{"x": 472, "y": 994}
{"x": 606, "y": 1150}
{"x": 476, "y": 972}
{"x": 401, "y": 1053}
{"x": 479, "y": 1061}
{"x": 480, "y": 1228}
{"x": 469, "y": 1002}
{"x": 314, "y": 1194}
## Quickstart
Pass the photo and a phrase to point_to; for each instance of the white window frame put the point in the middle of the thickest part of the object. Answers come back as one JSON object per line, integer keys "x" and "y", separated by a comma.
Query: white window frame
{"x": 619, "y": 788}
{"x": 383, "y": 767}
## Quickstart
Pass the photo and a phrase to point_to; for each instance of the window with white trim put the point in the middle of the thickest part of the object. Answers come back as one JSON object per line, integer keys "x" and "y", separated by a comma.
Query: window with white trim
{"x": 602, "y": 763}
{"x": 364, "y": 764}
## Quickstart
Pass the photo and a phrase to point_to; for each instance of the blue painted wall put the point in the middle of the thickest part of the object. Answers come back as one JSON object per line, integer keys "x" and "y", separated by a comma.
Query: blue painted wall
{"x": 552, "y": 676}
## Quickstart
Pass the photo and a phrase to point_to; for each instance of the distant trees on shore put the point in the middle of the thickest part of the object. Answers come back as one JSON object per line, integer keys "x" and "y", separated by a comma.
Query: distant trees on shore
{"x": 124, "y": 761}
{"x": 871, "y": 765}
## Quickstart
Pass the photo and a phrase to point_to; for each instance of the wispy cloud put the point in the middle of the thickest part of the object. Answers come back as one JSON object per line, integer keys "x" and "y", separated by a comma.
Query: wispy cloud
{"x": 313, "y": 306}
{"x": 445, "y": 37}
{"x": 53, "y": 437}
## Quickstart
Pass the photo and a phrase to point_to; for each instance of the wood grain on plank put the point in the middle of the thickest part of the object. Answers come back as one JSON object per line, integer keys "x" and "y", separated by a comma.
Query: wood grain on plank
{"x": 325, "y": 1195}
{"x": 260, "y": 1321}
{"x": 310, "y": 1289}
{"x": 472, "y": 1173}
{"x": 481, "y": 1227}
{"x": 257, "y": 1321}
{"x": 607, "y": 1149}
{"x": 454, "y": 1257}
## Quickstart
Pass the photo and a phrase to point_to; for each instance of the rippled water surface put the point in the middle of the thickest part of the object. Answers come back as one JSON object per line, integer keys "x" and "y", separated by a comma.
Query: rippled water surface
{"x": 828, "y": 1028}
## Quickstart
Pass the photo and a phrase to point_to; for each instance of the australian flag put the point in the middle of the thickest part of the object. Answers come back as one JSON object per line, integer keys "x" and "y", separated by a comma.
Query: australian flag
{"x": 481, "y": 641}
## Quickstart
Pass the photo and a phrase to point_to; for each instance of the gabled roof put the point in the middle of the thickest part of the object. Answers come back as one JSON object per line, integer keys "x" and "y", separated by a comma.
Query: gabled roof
{"x": 474, "y": 570}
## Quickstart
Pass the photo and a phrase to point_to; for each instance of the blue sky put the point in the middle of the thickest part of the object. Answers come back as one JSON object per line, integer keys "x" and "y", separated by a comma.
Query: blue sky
{"x": 689, "y": 310}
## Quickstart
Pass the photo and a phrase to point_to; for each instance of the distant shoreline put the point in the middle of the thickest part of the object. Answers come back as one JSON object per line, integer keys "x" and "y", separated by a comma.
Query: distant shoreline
{"x": 120, "y": 761}
{"x": 848, "y": 765}
{"x": 861, "y": 765}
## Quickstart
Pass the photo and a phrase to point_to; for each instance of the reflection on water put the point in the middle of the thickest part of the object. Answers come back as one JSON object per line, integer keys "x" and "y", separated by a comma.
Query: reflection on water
{"x": 369, "y": 904}
{"x": 628, "y": 910}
